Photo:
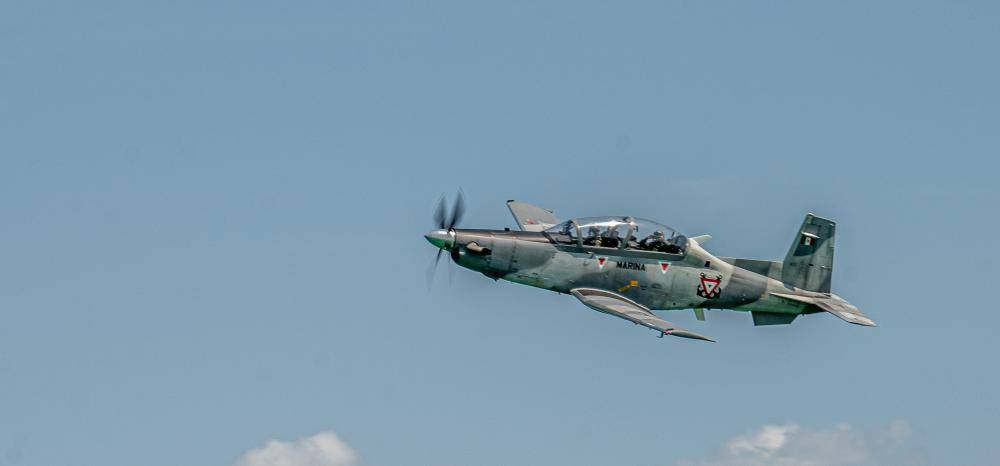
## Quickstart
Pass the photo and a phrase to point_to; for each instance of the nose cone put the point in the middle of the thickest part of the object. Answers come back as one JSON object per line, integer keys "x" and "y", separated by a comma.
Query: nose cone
{"x": 443, "y": 239}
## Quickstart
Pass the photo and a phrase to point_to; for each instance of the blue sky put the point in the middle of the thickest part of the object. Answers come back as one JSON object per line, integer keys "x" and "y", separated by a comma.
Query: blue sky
{"x": 213, "y": 218}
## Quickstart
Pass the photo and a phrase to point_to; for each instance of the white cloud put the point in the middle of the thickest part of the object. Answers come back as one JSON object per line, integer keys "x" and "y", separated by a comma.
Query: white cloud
{"x": 791, "y": 445}
{"x": 322, "y": 449}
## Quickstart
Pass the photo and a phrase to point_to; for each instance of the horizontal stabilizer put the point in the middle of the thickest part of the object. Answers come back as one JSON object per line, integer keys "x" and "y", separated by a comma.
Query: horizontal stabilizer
{"x": 530, "y": 217}
{"x": 834, "y": 305}
{"x": 620, "y": 306}
{"x": 701, "y": 239}
{"x": 845, "y": 311}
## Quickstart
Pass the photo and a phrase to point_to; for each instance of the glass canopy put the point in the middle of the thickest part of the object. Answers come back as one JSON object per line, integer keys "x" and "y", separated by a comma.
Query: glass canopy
{"x": 620, "y": 233}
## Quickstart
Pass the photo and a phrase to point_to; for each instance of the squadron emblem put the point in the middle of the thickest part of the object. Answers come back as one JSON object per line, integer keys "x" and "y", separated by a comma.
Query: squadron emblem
{"x": 710, "y": 287}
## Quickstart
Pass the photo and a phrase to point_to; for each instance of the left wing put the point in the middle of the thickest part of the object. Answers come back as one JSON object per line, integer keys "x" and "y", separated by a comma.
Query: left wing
{"x": 620, "y": 306}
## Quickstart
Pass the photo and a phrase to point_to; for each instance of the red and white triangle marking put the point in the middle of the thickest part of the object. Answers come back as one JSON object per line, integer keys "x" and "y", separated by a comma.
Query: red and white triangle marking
{"x": 709, "y": 284}
{"x": 663, "y": 267}
{"x": 601, "y": 261}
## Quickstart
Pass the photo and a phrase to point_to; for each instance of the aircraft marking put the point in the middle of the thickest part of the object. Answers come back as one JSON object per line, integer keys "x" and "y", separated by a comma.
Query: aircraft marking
{"x": 631, "y": 265}
{"x": 630, "y": 285}
{"x": 710, "y": 287}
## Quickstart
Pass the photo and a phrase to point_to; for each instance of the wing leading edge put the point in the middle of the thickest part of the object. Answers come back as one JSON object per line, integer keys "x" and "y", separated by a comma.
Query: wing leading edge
{"x": 620, "y": 306}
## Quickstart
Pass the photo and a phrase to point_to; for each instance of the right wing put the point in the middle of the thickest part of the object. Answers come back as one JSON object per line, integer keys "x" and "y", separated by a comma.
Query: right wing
{"x": 530, "y": 217}
{"x": 620, "y": 306}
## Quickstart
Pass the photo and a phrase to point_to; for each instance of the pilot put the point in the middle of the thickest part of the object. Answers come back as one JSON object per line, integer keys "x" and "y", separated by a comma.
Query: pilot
{"x": 567, "y": 229}
{"x": 672, "y": 245}
{"x": 653, "y": 242}
{"x": 610, "y": 237}
{"x": 593, "y": 235}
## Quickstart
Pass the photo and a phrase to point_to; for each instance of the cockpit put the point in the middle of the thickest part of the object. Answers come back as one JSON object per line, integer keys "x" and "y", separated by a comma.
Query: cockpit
{"x": 623, "y": 233}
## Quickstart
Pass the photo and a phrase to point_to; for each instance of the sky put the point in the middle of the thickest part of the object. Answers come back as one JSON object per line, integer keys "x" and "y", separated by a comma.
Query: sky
{"x": 212, "y": 245}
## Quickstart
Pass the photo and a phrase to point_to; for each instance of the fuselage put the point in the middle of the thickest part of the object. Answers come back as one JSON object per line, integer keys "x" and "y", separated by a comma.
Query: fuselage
{"x": 695, "y": 280}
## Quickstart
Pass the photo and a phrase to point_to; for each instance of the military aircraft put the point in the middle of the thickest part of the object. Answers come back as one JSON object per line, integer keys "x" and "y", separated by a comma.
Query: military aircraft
{"x": 628, "y": 267}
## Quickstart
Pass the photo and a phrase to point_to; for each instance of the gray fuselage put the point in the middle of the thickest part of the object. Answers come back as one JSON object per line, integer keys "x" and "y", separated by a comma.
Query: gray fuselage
{"x": 696, "y": 279}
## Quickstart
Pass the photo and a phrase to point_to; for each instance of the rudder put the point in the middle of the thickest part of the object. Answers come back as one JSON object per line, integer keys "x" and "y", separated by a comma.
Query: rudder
{"x": 809, "y": 263}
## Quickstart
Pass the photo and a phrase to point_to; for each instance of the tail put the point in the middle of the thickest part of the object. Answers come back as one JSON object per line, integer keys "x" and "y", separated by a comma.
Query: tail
{"x": 809, "y": 263}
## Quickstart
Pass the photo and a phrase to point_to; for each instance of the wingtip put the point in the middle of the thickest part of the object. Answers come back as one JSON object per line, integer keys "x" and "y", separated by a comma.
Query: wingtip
{"x": 688, "y": 334}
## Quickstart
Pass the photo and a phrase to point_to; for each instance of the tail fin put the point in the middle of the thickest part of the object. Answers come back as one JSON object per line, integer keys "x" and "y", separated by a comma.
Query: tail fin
{"x": 809, "y": 263}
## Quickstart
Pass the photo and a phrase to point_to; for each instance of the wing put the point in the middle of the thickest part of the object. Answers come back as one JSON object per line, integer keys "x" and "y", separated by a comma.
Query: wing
{"x": 530, "y": 217}
{"x": 620, "y": 306}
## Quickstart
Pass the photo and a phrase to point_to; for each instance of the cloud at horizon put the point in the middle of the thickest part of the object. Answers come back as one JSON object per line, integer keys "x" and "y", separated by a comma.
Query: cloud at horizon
{"x": 787, "y": 444}
{"x": 792, "y": 445}
{"x": 322, "y": 449}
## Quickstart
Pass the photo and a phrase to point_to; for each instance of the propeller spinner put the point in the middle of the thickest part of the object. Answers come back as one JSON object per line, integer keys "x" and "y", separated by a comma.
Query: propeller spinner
{"x": 444, "y": 236}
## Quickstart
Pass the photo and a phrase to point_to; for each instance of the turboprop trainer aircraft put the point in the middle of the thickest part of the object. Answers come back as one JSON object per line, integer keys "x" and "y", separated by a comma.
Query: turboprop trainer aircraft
{"x": 628, "y": 267}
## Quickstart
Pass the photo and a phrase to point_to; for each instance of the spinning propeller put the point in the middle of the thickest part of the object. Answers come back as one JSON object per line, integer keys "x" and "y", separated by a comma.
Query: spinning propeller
{"x": 444, "y": 236}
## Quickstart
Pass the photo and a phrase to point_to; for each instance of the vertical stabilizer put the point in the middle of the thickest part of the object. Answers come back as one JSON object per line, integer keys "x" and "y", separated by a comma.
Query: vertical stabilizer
{"x": 809, "y": 263}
